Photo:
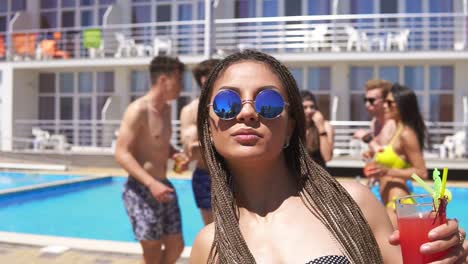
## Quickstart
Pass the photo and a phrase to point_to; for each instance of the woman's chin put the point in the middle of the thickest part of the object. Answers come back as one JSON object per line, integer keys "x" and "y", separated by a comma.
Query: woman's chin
{"x": 247, "y": 153}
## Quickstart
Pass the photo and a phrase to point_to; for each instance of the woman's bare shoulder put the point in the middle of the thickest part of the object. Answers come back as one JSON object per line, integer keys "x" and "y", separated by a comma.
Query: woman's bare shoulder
{"x": 202, "y": 245}
{"x": 357, "y": 191}
{"x": 365, "y": 199}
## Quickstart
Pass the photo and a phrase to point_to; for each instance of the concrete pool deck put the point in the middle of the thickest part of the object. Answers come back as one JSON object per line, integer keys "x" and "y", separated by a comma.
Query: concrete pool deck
{"x": 24, "y": 248}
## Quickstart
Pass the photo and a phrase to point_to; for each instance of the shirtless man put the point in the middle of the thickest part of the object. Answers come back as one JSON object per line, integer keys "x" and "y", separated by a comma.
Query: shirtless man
{"x": 143, "y": 149}
{"x": 201, "y": 180}
{"x": 376, "y": 92}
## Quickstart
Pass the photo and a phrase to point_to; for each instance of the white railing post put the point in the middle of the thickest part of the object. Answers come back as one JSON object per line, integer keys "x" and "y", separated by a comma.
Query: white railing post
{"x": 334, "y": 108}
{"x": 11, "y": 23}
{"x": 209, "y": 31}
{"x": 465, "y": 122}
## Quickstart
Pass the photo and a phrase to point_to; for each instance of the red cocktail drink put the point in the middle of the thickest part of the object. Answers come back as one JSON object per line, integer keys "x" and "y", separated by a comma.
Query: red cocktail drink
{"x": 415, "y": 220}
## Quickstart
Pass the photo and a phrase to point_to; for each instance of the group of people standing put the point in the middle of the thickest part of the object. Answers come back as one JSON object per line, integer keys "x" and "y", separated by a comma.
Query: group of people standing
{"x": 271, "y": 202}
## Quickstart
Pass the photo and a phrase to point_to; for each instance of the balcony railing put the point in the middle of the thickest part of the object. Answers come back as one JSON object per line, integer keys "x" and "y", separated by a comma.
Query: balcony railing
{"x": 98, "y": 135}
{"x": 293, "y": 34}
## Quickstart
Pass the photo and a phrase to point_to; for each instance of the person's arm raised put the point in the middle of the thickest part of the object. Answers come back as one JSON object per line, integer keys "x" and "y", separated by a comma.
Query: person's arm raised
{"x": 125, "y": 152}
{"x": 326, "y": 147}
{"x": 330, "y": 139}
{"x": 378, "y": 220}
{"x": 188, "y": 131}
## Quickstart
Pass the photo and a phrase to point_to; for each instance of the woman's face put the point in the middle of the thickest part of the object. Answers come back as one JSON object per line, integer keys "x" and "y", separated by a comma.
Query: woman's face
{"x": 309, "y": 109}
{"x": 390, "y": 108}
{"x": 249, "y": 135}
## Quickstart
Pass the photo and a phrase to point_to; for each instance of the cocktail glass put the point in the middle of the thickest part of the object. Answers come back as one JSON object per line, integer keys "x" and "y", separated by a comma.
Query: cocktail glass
{"x": 416, "y": 217}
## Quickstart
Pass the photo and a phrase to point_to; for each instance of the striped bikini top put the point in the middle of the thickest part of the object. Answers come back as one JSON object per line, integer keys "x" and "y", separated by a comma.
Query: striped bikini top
{"x": 330, "y": 259}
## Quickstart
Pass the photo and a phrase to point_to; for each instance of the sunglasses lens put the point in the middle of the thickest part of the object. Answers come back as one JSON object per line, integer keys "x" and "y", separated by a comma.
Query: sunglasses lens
{"x": 370, "y": 100}
{"x": 227, "y": 104}
{"x": 269, "y": 104}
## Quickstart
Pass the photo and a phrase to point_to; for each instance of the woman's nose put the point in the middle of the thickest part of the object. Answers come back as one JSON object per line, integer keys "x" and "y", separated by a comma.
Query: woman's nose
{"x": 247, "y": 112}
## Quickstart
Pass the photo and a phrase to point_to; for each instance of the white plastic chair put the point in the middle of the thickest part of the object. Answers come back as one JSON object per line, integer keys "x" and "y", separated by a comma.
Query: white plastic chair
{"x": 59, "y": 142}
{"x": 96, "y": 52}
{"x": 41, "y": 138}
{"x": 316, "y": 38}
{"x": 453, "y": 146}
{"x": 459, "y": 140}
{"x": 399, "y": 40}
{"x": 160, "y": 44}
{"x": 356, "y": 39}
{"x": 126, "y": 46}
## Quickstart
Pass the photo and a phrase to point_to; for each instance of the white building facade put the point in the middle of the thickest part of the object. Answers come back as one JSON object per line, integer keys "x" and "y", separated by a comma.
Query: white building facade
{"x": 50, "y": 78}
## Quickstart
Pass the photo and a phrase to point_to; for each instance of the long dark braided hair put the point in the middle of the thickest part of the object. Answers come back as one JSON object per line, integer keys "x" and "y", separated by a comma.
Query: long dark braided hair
{"x": 320, "y": 192}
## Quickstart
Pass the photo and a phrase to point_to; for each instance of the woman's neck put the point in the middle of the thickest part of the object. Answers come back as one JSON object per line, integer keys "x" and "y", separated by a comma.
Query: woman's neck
{"x": 262, "y": 188}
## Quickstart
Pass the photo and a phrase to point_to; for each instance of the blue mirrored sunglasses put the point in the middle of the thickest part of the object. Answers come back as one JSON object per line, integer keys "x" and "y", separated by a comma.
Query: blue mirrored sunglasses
{"x": 269, "y": 104}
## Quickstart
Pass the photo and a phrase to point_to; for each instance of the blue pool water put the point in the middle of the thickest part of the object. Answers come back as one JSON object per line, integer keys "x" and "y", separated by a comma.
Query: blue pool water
{"x": 87, "y": 210}
{"x": 95, "y": 210}
{"x": 10, "y": 180}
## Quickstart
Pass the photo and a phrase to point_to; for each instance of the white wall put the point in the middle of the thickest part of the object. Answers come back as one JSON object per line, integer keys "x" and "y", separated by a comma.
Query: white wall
{"x": 461, "y": 89}
{"x": 33, "y": 9}
{"x": 25, "y": 103}
{"x": 340, "y": 88}
{"x": 6, "y": 95}
{"x": 23, "y": 22}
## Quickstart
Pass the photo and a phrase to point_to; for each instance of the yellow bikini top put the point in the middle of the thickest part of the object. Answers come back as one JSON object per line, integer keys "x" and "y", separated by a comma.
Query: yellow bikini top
{"x": 388, "y": 157}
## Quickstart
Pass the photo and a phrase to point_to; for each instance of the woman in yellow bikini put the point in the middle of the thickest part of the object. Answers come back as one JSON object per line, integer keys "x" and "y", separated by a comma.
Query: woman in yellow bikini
{"x": 403, "y": 155}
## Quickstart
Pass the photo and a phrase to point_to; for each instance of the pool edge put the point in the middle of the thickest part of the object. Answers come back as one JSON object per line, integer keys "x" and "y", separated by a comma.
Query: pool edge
{"x": 78, "y": 243}
{"x": 52, "y": 184}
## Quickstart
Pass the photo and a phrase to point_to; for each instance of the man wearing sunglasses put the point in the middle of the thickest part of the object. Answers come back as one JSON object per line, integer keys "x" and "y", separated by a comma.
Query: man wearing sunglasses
{"x": 143, "y": 149}
{"x": 201, "y": 180}
{"x": 376, "y": 92}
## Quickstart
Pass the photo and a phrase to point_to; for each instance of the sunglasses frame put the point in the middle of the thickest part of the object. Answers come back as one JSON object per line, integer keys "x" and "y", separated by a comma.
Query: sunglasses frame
{"x": 243, "y": 102}
{"x": 390, "y": 103}
{"x": 371, "y": 100}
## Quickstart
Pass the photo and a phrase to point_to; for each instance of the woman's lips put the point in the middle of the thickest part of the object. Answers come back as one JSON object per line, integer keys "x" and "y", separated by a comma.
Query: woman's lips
{"x": 246, "y": 139}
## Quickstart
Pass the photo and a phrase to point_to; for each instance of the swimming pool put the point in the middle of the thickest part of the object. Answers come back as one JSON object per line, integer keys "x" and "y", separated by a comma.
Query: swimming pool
{"x": 92, "y": 210}
{"x": 9, "y": 180}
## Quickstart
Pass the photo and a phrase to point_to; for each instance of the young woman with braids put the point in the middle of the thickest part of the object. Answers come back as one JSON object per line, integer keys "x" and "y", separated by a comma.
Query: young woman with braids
{"x": 271, "y": 202}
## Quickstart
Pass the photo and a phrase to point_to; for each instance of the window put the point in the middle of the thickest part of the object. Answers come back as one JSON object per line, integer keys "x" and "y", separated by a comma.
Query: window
{"x": 362, "y": 7}
{"x": 163, "y": 13}
{"x": 319, "y": 83}
{"x": 141, "y": 14}
{"x": 47, "y": 83}
{"x": 270, "y": 8}
{"x": 18, "y": 5}
{"x": 68, "y": 19}
{"x": 358, "y": 77}
{"x": 319, "y": 7}
{"x": 68, "y": 3}
{"x": 443, "y": 35}
{"x": 66, "y": 83}
{"x": 389, "y": 73}
{"x": 46, "y": 108}
{"x": 77, "y": 101}
{"x": 414, "y": 77}
{"x": 244, "y": 8}
{"x": 298, "y": 74}
{"x": 140, "y": 84}
{"x": 85, "y": 82}
{"x": 70, "y": 13}
{"x": 46, "y": 4}
{"x": 441, "y": 86}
